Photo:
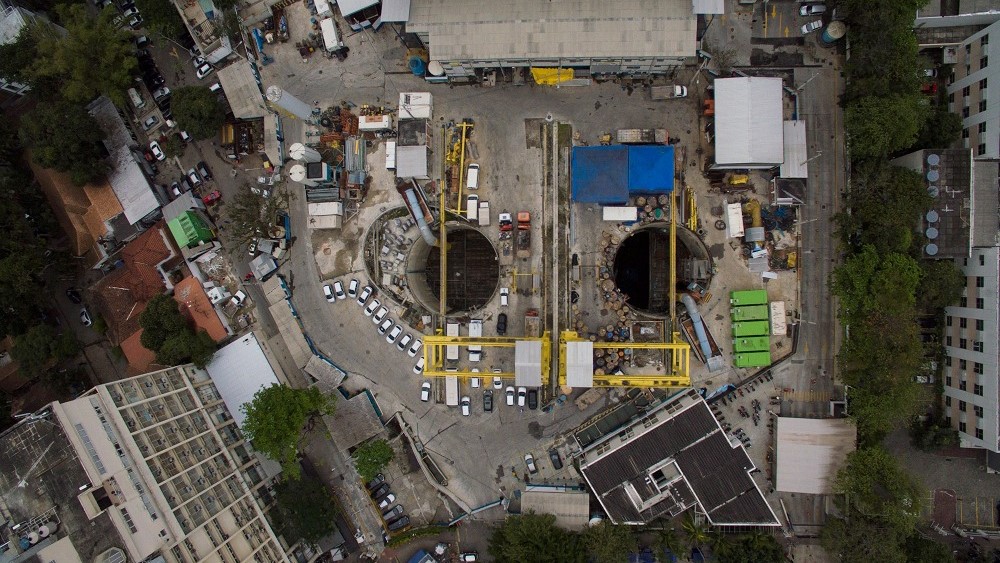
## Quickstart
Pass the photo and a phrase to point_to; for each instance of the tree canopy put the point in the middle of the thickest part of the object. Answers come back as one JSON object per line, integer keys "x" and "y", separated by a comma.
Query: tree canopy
{"x": 94, "y": 57}
{"x": 63, "y": 136}
{"x": 371, "y": 457}
{"x": 609, "y": 543}
{"x": 881, "y": 125}
{"x": 535, "y": 537}
{"x": 305, "y": 509}
{"x": 161, "y": 17}
{"x": 197, "y": 111}
{"x": 167, "y": 332}
{"x": 751, "y": 548}
{"x": 276, "y": 417}
{"x": 40, "y": 346}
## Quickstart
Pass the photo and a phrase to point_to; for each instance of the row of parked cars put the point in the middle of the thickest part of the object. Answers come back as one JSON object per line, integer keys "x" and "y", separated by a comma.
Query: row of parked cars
{"x": 194, "y": 178}
{"x": 373, "y": 308}
{"x": 394, "y": 516}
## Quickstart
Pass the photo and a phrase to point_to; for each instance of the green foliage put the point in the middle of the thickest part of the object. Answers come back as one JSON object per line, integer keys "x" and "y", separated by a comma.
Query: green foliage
{"x": 609, "y": 543}
{"x": 21, "y": 254}
{"x": 64, "y": 136}
{"x": 16, "y": 57}
{"x": 185, "y": 345}
{"x": 932, "y": 434}
{"x": 275, "y": 419}
{"x": 697, "y": 534}
{"x": 751, "y": 548}
{"x": 922, "y": 550}
{"x": 305, "y": 509}
{"x": 371, "y": 457}
{"x": 876, "y": 188}
{"x": 881, "y": 125}
{"x": 941, "y": 129}
{"x": 173, "y": 147}
{"x": 250, "y": 214}
{"x": 197, "y": 111}
{"x": 160, "y": 320}
{"x": 668, "y": 540}
{"x": 536, "y": 538}
{"x": 93, "y": 58}
{"x": 413, "y": 533}
{"x": 868, "y": 284}
{"x": 862, "y": 539}
{"x": 161, "y": 17}
{"x": 941, "y": 285}
{"x": 40, "y": 346}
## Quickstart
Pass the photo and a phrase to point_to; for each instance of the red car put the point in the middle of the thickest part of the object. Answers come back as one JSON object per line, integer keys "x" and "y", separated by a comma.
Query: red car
{"x": 212, "y": 197}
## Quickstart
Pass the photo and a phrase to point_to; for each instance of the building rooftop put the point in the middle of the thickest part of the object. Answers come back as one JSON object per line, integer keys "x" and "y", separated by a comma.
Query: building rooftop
{"x": 242, "y": 90}
{"x": 354, "y": 421}
{"x": 239, "y": 370}
{"x": 527, "y": 29}
{"x": 670, "y": 458}
{"x": 571, "y": 508}
{"x": 811, "y": 451}
{"x": 749, "y": 129}
{"x": 196, "y": 305}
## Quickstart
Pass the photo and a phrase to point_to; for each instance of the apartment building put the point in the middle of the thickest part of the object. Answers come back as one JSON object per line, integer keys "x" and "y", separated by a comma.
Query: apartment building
{"x": 157, "y": 463}
{"x": 972, "y": 347}
{"x": 977, "y": 66}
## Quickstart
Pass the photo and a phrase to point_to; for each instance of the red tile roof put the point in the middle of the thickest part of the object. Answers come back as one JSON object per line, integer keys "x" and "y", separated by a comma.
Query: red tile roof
{"x": 196, "y": 305}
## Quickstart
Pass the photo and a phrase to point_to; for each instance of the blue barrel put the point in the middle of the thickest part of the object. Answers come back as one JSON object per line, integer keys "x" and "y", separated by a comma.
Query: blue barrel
{"x": 417, "y": 66}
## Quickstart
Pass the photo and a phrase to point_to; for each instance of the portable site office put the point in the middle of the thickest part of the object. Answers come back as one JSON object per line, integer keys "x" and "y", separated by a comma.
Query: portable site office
{"x": 752, "y": 359}
{"x": 750, "y": 313}
{"x": 748, "y": 297}
{"x": 752, "y": 344}
{"x": 751, "y": 328}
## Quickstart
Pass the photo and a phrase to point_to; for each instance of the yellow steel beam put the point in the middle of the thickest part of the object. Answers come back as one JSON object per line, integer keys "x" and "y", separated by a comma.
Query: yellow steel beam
{"x": 443, "y": 233}
{"x": 673, "y": 259}
{"x": 435, "y": 347}
{"x": 680, "y": 363}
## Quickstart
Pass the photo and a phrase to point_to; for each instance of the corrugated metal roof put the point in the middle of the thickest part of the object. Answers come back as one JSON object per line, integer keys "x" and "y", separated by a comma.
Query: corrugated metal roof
{"x": 796, "y": 150}
{"x": 395, "y": 11}
{"x": 242, "y": 90}
{"x": 528, "y": 363}
{"x": 811, "y": 451}
{"x": 650, "y": 169}
{"x": 580, "y": 364}
{"x": 749, "y": 128}
{"x": 528, "y": 29}
{"x": 348, "y": 7}
{"x": 571, "y": 508}
{"x": 708, "y": 6}
{"x": 239, "y": 370}
{"x": 600, "y": 174}
{"x": 411, "y": 162}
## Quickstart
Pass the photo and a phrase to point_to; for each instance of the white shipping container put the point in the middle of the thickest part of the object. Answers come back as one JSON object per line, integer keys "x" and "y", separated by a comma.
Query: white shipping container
{"x": 374, "y": 123}
{"x": 451, "y": 390}
{"x": 779, "y": 326}
{"x": 323, "y": 9}
{"x": 415, "y": 105}
{"x": 390, "y": 155}
{"x": 621, "y": 214}
{"x": 734, "y": 216}
{"x": 330, "y": 38}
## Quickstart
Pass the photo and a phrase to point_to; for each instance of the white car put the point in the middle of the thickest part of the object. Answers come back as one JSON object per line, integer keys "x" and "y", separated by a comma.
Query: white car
{"x": 404, "y": 342}
{"x": 811, "y": 27}
{"x": 393, "y": 334}
{"x": 338, "y": 290}
{"x": 380, "y": 314}
{"x": 365, "y": 294}
{"x": 382, "y": 328}
{"x": 239, "y": 298}
{"x": 510, "y": 396}
{"x": 522, "y": 392}
{"x": 154, "y": 148}
{"x": 466, "y": 405}
{"x": 504, "y": 296}
{"x": 497, "y": 383}
{"x": 415, "y": 348}
{"x": 352, "y": 289}
{"x": 384, "y": 503}
{"x": 150, "y": 122}
{"x": 419, "y": 367}
{"x": 203, "y": 71}
{"x": 328, "y": 292}
{"x": 425, "y": 391}
{"x": 371, "y": 307}
{"x": 530, "y": 462}
{"x": 812, "y": 9}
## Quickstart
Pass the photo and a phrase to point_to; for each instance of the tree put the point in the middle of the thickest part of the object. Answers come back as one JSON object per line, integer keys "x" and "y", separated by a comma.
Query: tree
{"x": 609, "y": 543}
{"x": 371, "y": 457}
{"x": 870, "y": 284}
{"x": 161, "y": 320}
{"x": 668, "y": 542}
{"x": 932, "y": 434}
{"x": 878, "y": 126}
{"x": 275, "y": 419}
{"x": 197, "y": 111}
{"x": 697, "y": 534}
{"x": 161, "y": 17}
{"x": 536, "y": 538}
{"x": 941, "y": 129}
{"x": 40, "y": 346}
{"x": 173, "y": 147}
{"x": 940, "y": 285}
{"x": 64, "y": 136}
{"x": 875, "y": 188}
{"x": 305, "y": 509}
{"x": 17, "y": 56}
{"x": 874, "y": 485}
{"x": 93, "y": 58}
{"x": 185, "y": 345}
{"x": 752, "y": 548}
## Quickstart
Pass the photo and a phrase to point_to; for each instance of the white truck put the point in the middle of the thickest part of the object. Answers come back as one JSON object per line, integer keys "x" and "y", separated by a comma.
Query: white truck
{"x": 451, "y": 350}
{"x": 331, "y": 39}
{"x": 668, "y": 92}
{"x": 475, "y": 331}
{"x": 451, "y": 390}
{"x": 484, "y": 214}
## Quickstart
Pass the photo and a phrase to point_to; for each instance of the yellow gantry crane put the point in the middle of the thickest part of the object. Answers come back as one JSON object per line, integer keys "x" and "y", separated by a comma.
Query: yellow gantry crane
{"x": 436, "y": 347}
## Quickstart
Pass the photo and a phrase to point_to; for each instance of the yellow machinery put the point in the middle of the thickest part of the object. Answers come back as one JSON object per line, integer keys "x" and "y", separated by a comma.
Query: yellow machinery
{"x": 435, "y": 347}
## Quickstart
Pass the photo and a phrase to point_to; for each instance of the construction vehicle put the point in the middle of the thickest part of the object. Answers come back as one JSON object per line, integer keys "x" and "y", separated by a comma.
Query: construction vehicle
{"x": 668, "y": 92}
{"x": 523, "y": 234}
{"x": 532, "y": 324}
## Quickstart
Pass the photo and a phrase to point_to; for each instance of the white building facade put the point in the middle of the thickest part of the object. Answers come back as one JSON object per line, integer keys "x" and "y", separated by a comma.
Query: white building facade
{"x": 970, "y": 94}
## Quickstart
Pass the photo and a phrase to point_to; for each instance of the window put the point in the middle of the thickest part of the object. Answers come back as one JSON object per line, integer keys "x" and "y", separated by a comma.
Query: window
{"x": 947, "y": 361}
{"x": 962, "y": 405}
{"x": 977, "y": 390}
{"x": 977, "y": 368}
{"x": 984, "y": 40}
{"x": 982, "y": 126}
{"x": 981, "y": 149}
{"x": 980, "y": 302}
{"x": 966, "y": 90}
{"x": 947, "y": 401}
{"x": 965, "y": 132}
{"x": 947, "y": 340}
{"x": 963, "y": 343}
{"x": 962, "y": 364}
{"x": 947, "y": 381}
{"x": 978, "y": 410}
{"x": 982, "y": 259}
{"x": 979, "y": 433}
{"x": 980, "y": 281}
{"x": 963, "y": 302}
{"x": 947, "y": 320}
{"x": 977, "y": 346}
{"x": 965, "y": 111}
{"x": 984, "y": 62}
{"x": 982, "y": 84}
{"x": 951, "y": 98}
{"x": 962, "y": 386}
{"x": 963, "y": 322}
{"x": 979, "y": 324}
{"x": 961, "y": 427}
{"x": 982, "y": 105}
{"x": 128, "y": 521}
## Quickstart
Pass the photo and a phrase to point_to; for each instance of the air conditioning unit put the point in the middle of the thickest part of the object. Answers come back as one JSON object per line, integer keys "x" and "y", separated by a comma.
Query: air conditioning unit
{"x": 197, "y": 508}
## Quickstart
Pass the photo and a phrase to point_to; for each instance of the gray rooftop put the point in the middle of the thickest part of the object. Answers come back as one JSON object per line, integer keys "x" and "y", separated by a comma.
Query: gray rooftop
{"x": 130, "y": 185}
{"x": 669, "y": 459}
{"x": 528, "y": 29}
{"x": 354, "y": 421}
{"x": 242, "y": 90}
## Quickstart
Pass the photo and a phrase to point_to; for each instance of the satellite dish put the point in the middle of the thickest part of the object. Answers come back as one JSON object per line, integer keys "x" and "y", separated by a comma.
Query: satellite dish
{"x": 931, "y": 249}
{"x": 933, "y": 159}
{"x": 931, "y": 233}
{"x": 932, "y": 216}
{"x": 933, "y": 175}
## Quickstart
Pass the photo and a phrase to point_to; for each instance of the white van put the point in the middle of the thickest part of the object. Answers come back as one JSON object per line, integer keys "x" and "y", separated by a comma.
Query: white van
{"x": 473, "y": 177}
{"x": 136, "y": 98}
{"x": 472, "y": 208}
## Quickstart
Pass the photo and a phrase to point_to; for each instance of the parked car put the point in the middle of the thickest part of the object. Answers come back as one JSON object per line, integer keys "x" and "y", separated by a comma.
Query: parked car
{"x": 239, "y": 298}
{"x": 328, "y": 293}
{"x": 812, "y": 9}
{"x": 418, "y": 368}
{"x": 811, "y": 27}
{"x": 502, "y": 324}
{"x": 393, "y": 334}
{"x": 530, "y": 462}
{"x": 252, "y": 249}
{"x": 414, "y": 348}
{"x": 203, "y": 170}
{"x": 154, "y": 148}
{"x": 399, "y": 523}
{"x": 487, "y": 401}
{"x": 504, "y": 296}
{"x": 185, "y": 138}
{"x": 186, "y": 184}
{"x": 160, "y": 93}
{"x": 365, "y": 294}
{"x": 374, "y": 483}
{"x": 150, "y": 122}
{"x": 404, "y": 342}
{"x": 379, "y": 315}
{"x": 468, "y": 556}
{"x": 533, "y": 399}
{"x": 394, "y": 512}
{"x": 338, "y": 289}
{"x": 381, "y": 491}
{"x": 85, "y": 317}
{"x": 522, "y": 394}
{"x": 556, "y": 460}
{"x": 497, "y": 382}
{"x": 175, "y": 190}
{"x": 466, "y": 403}
{"x": 510, "y": 396}
{"x": 386, "y": 500}
{"x": 382, "y": 328}
{"x": 193, "y": 176}
{"x": 73, "y": 295}
{"x": 203, "y": 71}
{"x": 352, "y": 289}
{"x": 142, "y": 42}
{"x": 371, "y": 307}
{"x": 425, "y": 391}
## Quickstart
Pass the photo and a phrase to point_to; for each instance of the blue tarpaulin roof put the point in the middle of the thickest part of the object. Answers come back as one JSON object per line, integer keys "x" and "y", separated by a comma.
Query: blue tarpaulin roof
{"x": 600, "y": 174}
{"x": 609, "y": 174}
{"x": 650, "y": 169}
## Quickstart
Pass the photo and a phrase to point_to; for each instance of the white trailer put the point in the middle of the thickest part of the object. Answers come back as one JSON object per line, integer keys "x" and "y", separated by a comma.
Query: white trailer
{"x": 451, "y": 350}
{"x": 331, "y": 39}
{"x": 451, "y": 390}
{"x": 484, "y": 214}
{"x": 475, "y": 331}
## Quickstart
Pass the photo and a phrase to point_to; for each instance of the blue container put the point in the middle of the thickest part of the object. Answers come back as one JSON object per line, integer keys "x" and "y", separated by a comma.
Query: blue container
{"x": 417, "y": 66}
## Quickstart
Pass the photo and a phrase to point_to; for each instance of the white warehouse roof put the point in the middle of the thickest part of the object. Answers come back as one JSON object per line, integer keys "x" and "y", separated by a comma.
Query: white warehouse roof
{"x": 811, "y": 451}
{"x": 749, "y": 131}
{"x": 239, "y": 370}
